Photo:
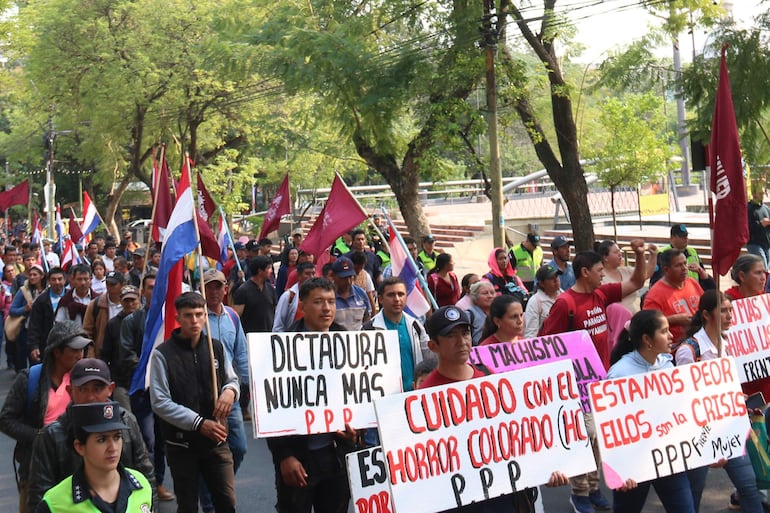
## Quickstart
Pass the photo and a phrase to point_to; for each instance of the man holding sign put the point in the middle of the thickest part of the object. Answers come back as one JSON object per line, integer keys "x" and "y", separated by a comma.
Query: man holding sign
{"x": 309, "y": 471}
{"x": 584, "y": 306}
{"x": 449, "y": 329}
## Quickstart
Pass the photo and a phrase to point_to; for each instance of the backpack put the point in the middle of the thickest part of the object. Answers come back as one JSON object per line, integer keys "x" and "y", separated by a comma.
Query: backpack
{"x": 571, "y": 309}
{"x": 33, "y": 383}
{"x": 694, "y": 347}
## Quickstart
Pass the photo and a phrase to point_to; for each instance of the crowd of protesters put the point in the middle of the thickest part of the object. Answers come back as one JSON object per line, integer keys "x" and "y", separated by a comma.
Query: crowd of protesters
{"x": 85, "y": 441}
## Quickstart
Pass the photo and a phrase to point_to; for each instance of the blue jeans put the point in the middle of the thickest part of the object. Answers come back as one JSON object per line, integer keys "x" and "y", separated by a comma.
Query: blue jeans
{"x": 741, "y": 473}
{"x": 673, "y": 491}
{"x": 697, "y": 478}
{"x": 142, "y": 410}
{"x": 236, "y": 440}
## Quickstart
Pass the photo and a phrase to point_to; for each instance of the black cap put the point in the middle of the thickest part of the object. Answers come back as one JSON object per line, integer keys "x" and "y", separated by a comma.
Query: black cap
{"x": 252, "y": 245}
{"x": 140, "y": 252}
{"x": 429, "y": 238}
{"x": 547, "y": 272}
{"x": 533, "y": 238}
{"x": 97, "y": 417}
{"x": 90, "y": 369}
{"x": 343, "y": 267}
{"x": 679, "y": 230}
{"x": 115, "y": 277}
{"x": 444, "y": 320}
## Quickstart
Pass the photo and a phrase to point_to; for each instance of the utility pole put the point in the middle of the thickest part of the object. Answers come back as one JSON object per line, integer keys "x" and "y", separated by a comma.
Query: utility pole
{"x": 495, "y": 169}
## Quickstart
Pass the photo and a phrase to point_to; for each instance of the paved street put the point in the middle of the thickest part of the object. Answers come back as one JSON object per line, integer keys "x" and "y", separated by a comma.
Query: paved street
{"x": 254, "y": 482}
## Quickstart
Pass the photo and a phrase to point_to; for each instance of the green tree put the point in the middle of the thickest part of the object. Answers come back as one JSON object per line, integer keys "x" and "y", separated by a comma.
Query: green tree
{"x": 636, "y": 149}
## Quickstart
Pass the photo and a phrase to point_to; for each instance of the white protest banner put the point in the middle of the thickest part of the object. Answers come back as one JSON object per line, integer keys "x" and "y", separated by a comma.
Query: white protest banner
{"x": 311, "y": 382}
{"x": 368, "y": 478}
{"x": 748, "y": 339}
{"x": 482, "y": 438}
{"x": 664, "y": 422}
{"x": 574, "y": 345}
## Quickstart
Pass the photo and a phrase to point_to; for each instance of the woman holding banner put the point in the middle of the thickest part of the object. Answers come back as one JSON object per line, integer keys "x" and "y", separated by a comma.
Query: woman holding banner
{"x": 705, "y": 341}
{"x": 505, "y": 322}
{"x": 645, "y": 346}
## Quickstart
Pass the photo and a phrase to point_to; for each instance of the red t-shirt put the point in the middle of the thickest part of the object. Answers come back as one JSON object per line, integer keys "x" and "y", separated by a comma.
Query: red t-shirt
{"x": 492, "y": 339}
{"x": 590, "y": 314}
{"x": 671, "y": 301}
{"x": 446, "y": 294}
{"x": 435, "y": 378}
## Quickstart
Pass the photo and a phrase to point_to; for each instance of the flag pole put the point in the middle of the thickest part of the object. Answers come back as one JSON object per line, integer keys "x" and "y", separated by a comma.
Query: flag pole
{"x": 420, "y": 277}
{"x": 214, "y": 385}
{"x": 155, "y": 181}
{"x": 230, "y": 238}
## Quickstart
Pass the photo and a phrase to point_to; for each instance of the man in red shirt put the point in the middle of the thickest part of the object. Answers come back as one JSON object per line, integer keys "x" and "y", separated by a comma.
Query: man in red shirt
{"x": 584, "y": 306}
{"x": 449, "y": 329}
{"x": 675, "y": 294}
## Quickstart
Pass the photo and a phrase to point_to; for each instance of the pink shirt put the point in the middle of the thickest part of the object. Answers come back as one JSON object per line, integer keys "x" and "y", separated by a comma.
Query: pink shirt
{"x": 58, "y": 399}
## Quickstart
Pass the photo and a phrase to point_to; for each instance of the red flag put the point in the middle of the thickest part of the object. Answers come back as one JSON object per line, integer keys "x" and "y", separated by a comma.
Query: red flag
{"x": 76, "y": 234}
{"x": 729, "y": 221}
{"x": 162, "y": 197}
{"x": 341, "y": 213}
{"x": 206, "y": 205}
{"x": 278, "y": 207}
{"x": 17, "y": 195}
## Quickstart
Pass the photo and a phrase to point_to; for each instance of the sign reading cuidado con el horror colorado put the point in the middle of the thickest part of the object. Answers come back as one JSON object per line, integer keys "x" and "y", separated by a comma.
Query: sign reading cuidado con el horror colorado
{"x": 576, "y": 346}
{"x": 312, "y": 382}
{"x": 481, "y": 438}
{"x": 748, "y": 339}
{"x": 664, "y": 422}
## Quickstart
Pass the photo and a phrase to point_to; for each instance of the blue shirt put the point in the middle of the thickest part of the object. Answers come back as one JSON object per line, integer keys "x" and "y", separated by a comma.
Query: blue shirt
{"x": 233, "y": 341}
{"x": 405, "y": 348}
{"x": 567, "y": 278}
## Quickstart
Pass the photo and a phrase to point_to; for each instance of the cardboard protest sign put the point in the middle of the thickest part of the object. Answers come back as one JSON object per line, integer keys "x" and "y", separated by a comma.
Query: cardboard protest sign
{"x": 574, "y": 345}
{"x": 664, "y": 422}
{"x": 368, "y": 478}
{"x": 482, "y": 438}
{"x": 748, "y": 339}
{"x": 312, "y": 382}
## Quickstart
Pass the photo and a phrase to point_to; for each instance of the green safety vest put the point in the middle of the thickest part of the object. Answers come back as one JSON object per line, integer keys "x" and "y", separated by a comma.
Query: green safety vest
{"x": 527, "y": 263}
{"x": 59, "y": 498}
{"x": 384, "y": 257}
{"x": 428, "y": 261}
{"x": 692, "y": 258}
{"x": 340, "y": 247}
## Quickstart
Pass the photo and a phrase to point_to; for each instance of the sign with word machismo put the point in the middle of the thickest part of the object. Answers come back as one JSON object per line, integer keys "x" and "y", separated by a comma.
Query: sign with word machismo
{"x": 574, "y": 345}
{"x": 748, "y": 339}
{"x": 311, "y": 382}
{"x": 664, "y": 422}
{"x": 482, "y": 438}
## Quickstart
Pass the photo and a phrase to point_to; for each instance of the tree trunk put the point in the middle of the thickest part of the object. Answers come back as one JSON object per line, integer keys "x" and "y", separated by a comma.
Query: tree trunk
{"x": 404, "y": 182}
{"x": 113, "y": 203}
{"x": 565, "y": 169}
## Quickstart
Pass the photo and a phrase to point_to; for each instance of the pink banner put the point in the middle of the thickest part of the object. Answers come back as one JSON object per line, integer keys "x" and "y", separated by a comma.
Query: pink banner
{"x": 574, "y": 345}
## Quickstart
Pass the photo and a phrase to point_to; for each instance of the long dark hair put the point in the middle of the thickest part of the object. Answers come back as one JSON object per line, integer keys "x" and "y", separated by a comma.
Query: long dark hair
{"x": 644, "y": 322}
{"x": 497, "y": 310}
{"x": 710, "y": 300}
{"x": 442, "y": 260}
